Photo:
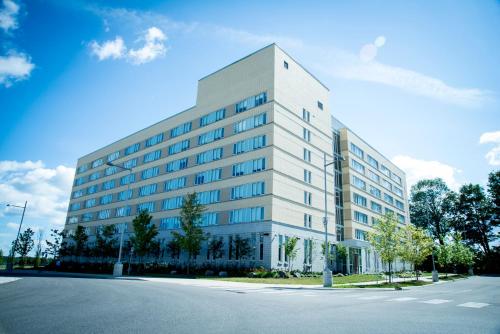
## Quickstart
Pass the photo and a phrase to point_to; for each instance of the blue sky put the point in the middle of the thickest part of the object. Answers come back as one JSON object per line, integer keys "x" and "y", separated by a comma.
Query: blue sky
{"x": 419, "y": 80}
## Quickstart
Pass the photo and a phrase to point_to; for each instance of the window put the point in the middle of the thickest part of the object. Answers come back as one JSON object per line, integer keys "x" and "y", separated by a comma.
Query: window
{"x": 385, "y": 171}
{"x": 97, "y": 163}
{"x": 389, "y": 199}
{"x": 280, "y": 248}
{"x": 396, "y": 178}
{"x": 359, "y": 200}
{"x": 401, "y": 218}
{"x": 73, "y": 220}
{"x": 376, "y": 207}
{"x": 307, "y": 220}
{"x": 150, "y": 172}
{"x": 78, "y": 193}
{"x": 82, "y": 168}
{"x": 249, "y": 167}
{"x": 249, "y": 144}
{"x": 147, "y": 190}
{"x": 75, "y": 206}
{"x": 375, "y": 192}
{"x": 386, "y": 184}
{"x": 90, "y": 203}
{"x": 285, "y": 65}
{"x": 209, "y": 156}
{"x": 106, "y": 199}
{"x": 372, "y": 161}
{"x": 400, "y": 205}
{"x": 212, "y": 117}
{"x": 251, "y": 102}
{"x": 398, "y": 191}
{"x": 250, "y": 123}
{"x": 87, "y": 216}
{"x": 320, "y": 105}
{"x": 92, "y": 189}
{"x": 247, "y": 190}
{"x": 152, "y": 156}
{"x": 211, "y": 136}
{"x": 130, "y": 178}
{"x": 104, "y": 214}
{"x": 178, "y": 147}
{"x": 307, "y": 198}
{"x": 175, "y": 184}
{"x": 110, "y": 170}
{"x": 307, "y": 176}
{"x": 357, "y": 151}
{"x": 147, "y": 206}
{"x": 173, "y": 203}
{"x": 306, "y": 115}
{"x": 308, "y": 245}
{"x": 360, "y": 235}
{"x": 176, "y": 165}
{"x": 306, "y": 134}
{"x": 113, "y": 156}
{"x": 389, "y": 211}
{"x": 170, "y": 223}
{"x": 123, "y": 211}
{"x": 358, "y": 183}
{"x": 180, "y": 130}
{"x": 357, "y": 166}
{"x": 125, "y": 195}
{"x": 208, "y": 197}
{"x": 208, "y": 219}
{"x": 360, "y": 217}
{"x": 130, "y": 163}
{"x": 373, "y": 176}
{"x": 132, "y": 149}
{"x": 246, "y": 215}
{"x": 154, "y": 140}
{"x": 94, "y": 176}
{"x": 307, "y": 155}
{"x": 208, "y": 176}
{"x": 108, "y": 185}
{"x": 79, "y": 181}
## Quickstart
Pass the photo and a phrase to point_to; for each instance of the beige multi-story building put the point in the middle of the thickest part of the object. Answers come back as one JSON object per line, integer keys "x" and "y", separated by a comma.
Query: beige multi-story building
{"x": 252, "y": 148}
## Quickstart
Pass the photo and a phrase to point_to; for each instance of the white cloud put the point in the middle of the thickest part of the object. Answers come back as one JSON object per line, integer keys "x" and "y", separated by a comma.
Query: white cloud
{"x": 417, "y": 170}
{"x": 13, "y": 226}
{"x": 153, "y": 48}
{"x": 493, "y": 155}
{"x": 14, "y": 67}
{"x": 114, "y": 49}
{"x": 47, "y": 190}
{"x": 8, "y": 15}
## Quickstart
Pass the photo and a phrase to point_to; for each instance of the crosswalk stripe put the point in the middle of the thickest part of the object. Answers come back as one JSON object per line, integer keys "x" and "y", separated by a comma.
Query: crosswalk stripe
{"x": 402, "y": 299}
{"x": 435, "y": 301}
{"x": 372, "y": 297}
{"x": 473, "y": 305}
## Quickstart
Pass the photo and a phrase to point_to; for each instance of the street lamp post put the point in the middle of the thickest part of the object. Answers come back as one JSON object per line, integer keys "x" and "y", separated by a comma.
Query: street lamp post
{"x": 435, "y": 275}
{"x": 10, "y": 265}
{"x": 118, "y": 267}
{"x": 327, "y": 273}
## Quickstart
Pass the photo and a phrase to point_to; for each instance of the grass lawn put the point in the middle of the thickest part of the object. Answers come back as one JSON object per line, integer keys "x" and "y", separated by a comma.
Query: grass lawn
{"x": 389, "y": 285}
{"x": 302, "y": 280}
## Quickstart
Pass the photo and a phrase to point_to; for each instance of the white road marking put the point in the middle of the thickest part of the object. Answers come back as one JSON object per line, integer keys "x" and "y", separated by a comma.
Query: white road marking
{"x": 473, "y": 305}
{"x": 372, "y": 297}
{"x": 436, "y": 301}
{"x": 402, "y": 299}
{"x": 4, "y": 280}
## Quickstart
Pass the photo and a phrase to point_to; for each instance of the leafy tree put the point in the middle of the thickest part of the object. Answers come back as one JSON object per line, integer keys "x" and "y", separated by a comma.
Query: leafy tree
{"x": 415, "y": 246}
{"x": 242, "y": 247}
{"x": 341, "y": 256}
{"x": 38, "y": 251}
{"x": 174, "y": 248}
{"x": 444, "y": 257}
{"x": 474, "y": 212}
{"x": 385, "y": 240}
{"x": 79, "y": 238}
{"x": 216, "y": 248}
{"x": 1, "y": 256}
{"x": 192, "y": 235}
{"x": 106, "y": 242}
{"x": 24, "y": 244}
{"x": 59, "y": 246}
{"x": 144, "y": 234}
{"x": 432, "y": 207}
{"x": 291, "y": 250}
{"x": 494, "y": 190}
{"x": 460, "y": 253}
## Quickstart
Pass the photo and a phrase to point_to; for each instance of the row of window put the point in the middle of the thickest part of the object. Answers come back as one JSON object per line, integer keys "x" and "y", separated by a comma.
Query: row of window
{"x": 362, "y": 201}
{"x": 360, "y": 184}
{"x": 360, "y": 168}
{"x": 363, "y": 218}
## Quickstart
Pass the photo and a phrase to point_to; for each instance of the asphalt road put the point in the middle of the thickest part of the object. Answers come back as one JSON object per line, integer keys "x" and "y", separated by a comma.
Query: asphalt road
{"x": 90, "y": 305}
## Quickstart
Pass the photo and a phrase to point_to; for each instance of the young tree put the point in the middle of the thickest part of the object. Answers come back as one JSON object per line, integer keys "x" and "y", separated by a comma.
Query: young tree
{"x": 474, "y": 217}
{"x": 444, "y": 257}
{"x": 1, "y": 256}
{"x": 106, "y": 242}
{"x": 291, "y": 251}
{"x": 144, "y": 234}
{"x": 242, "y": 247}
{"x": 216, "y": 248}
{"x": 79, "y": 238}
{"x": 192, "y": 235}
{"x": 24, "y": 244}
{"x": 385, "y": 240}
{"x": 174, "y": 249}
{"x": 460, "y": 253}
{"x": 415, "y": 246}
{"x": 432, "y": 207}
{"x": 58, "y": 247}
{"x": 341, "y": 256}
{"x": 38, "y": 251}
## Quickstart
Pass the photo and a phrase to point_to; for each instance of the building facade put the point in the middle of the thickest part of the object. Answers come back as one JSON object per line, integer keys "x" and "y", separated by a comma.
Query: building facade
{"x": 252, "y": 148}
